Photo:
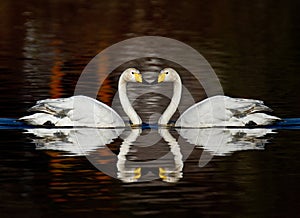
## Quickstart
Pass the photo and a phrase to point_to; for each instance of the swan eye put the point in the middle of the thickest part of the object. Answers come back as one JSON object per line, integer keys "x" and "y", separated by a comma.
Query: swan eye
{"x": 167, "y": 73}
{"x": 132, "y": 72}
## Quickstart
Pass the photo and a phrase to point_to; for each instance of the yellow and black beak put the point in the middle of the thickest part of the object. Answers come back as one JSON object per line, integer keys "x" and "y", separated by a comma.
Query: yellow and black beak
{"x": 161, "y": 77}
{"x": 137, "y": 173}
{"x": 162, "y": 173}
{"x": 138, "y": 77}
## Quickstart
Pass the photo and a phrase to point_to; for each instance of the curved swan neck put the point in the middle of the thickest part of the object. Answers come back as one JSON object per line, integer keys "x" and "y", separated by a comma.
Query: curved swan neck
{"x": 177, "y": 87}
{"x": 126, "y": 105}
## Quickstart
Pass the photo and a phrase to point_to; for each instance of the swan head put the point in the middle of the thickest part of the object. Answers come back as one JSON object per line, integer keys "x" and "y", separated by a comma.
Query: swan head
{"x": 167, "y": 75}
{"x": 132, "y": 75}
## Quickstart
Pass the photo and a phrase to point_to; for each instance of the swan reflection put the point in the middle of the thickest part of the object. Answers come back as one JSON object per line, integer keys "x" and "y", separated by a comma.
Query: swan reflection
{"x": 168, "y": 167}
{"x": 74, "y": 141}
{"x": 128, "y": 174}
{"x": 127, "y": 164}
{"x": 172, "y": 174}
{"x": 224, "y": 141}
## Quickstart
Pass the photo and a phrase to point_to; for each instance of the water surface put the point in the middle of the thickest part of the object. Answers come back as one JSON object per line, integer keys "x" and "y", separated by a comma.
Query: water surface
{"x": 253, "y": 48}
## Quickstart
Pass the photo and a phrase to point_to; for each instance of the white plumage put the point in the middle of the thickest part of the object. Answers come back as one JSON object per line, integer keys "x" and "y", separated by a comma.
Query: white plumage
{"x": 226, "y": 111}
{"x": 73, "y": 111}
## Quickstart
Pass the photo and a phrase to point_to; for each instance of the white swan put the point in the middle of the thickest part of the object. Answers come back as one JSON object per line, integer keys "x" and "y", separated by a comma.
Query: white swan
{"x": 86, "y": 111}
{"x": 214, "y": 111}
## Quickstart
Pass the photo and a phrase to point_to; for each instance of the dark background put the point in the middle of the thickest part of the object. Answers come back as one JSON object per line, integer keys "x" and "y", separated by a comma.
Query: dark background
{"x": 254, "y": 48}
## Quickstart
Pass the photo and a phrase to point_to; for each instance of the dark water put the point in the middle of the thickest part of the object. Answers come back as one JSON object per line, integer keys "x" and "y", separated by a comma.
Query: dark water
{"x": 252, "y": 46}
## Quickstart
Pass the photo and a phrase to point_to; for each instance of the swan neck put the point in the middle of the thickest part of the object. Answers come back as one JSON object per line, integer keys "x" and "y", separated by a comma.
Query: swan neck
{"x": 171, "y": 109}
{"x": 126, "y": 105}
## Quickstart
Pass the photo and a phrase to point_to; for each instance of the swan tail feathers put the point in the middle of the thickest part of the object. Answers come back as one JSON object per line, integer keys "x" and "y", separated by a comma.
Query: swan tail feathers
{"x": 39, "y": 119}
{"x": 261, "y": 108}
{"x": 260, "y": 119}
{"x": 60, "y": 106}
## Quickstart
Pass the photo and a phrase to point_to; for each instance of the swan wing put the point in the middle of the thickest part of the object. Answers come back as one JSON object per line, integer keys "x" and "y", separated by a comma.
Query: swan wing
{"x": 73, "y": 111}
{"x": 225, "y": 111}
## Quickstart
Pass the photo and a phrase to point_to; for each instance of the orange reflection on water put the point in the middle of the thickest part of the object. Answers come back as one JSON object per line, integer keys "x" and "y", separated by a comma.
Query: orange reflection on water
{"x": 105, "y": 92}
{"x": 72, "y": 180}
{"x": 56, "y": 73}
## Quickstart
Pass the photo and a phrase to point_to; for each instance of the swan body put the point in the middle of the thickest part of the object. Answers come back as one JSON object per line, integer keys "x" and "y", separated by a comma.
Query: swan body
{"x": 85, "y": 111}
{"x": 226, "y": 111}
{"x": 73, "y": 111}
{"x": 214, "y": 111}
